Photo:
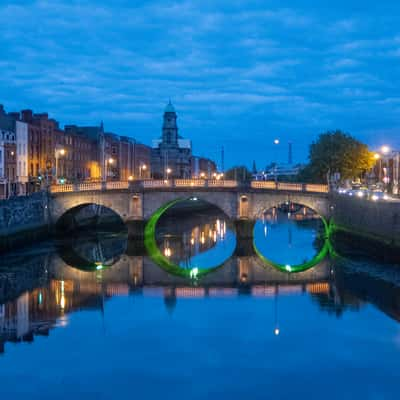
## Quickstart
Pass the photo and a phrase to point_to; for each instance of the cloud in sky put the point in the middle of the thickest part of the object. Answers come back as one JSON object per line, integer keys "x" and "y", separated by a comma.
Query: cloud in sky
{"x": 239, "y": 72}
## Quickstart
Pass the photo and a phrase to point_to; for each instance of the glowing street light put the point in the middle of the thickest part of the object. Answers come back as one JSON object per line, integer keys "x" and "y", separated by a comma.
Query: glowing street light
{"x": 142, "y": 167}
{"x": 385, "y": 149}
{"x": 276, "y": 141}
{"x": 59, "y": 151}
{"x": 377, "y": 156}
{"x": 168, "y": 171}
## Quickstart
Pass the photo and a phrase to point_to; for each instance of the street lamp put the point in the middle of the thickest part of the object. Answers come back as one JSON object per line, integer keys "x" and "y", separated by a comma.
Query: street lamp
{"x": 109, "y": 162}
{"x": 59, "y": 152}
{"x": 168, "y": 171}
{"x": 142, "y": 167}
{"x": 385, "y": 149}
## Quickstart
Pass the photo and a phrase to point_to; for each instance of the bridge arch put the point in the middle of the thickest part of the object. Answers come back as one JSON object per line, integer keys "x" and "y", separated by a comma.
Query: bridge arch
{"x": 225, "y": 201}
{"x": 68, "y": 221}
{"x": 62, "y": 203}
{"x": 265, "y": 201}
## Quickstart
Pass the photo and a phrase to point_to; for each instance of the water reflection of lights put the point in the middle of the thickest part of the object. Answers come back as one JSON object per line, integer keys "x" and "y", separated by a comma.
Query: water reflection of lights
{"x": 62, "y": 321}
{"x": 62, "y": 290}
{"x": 207, "y": 234}
{"x": 167, "y": 248}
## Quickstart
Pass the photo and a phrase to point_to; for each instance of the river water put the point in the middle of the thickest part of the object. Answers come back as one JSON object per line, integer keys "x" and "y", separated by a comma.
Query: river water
{"x": 95, "y": 316}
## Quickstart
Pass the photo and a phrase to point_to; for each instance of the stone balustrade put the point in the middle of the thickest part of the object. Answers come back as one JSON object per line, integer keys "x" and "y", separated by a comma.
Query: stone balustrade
{"x": 188, "y": 183}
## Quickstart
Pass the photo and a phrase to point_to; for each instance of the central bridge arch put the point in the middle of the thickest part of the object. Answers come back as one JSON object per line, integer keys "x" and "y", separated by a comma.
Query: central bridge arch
{"x": 226, "y": 201}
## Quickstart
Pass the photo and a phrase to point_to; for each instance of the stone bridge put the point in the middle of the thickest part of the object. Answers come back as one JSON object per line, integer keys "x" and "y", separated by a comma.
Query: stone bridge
{"x": 139, "y": 200}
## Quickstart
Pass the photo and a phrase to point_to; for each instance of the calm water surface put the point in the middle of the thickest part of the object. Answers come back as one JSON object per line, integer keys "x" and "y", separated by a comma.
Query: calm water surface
{"x": 69, "y": 329}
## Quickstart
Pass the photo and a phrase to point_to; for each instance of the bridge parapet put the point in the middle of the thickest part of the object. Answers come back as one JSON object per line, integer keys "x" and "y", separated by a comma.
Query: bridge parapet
{"x": 188, "y": 183}
{"x": 295, "y": 187}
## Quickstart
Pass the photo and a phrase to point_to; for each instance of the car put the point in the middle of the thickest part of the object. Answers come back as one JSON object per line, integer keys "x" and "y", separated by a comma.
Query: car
{"x": 377, "y": 195}
{"x": 341, "y": 190}
{"x": 360, "y": 192}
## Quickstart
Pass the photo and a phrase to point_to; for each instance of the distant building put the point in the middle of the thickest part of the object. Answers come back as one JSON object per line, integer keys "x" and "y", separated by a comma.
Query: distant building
{"x": 82, "y": 158}
{"x": 171, "y": 155}
{"x": 203, "y": 167}
{"x": 278, "y": 171}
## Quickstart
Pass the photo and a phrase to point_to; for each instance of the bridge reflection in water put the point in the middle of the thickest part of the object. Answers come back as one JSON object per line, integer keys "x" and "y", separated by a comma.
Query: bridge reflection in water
{"x": 41, "y": 293}
{"x": 41, "y": 288}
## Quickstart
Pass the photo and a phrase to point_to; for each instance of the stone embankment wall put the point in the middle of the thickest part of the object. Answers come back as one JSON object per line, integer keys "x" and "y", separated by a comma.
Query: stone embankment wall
{"x": 379, "y": 221}
{"x": 23, "y": 219}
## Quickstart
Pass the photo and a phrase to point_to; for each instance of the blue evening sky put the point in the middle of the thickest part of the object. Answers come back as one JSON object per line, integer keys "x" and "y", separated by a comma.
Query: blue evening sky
{"x": 240, "y": 73}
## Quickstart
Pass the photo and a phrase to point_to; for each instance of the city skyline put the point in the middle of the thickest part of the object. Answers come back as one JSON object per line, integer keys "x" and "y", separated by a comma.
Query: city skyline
{"x": 233, "y": 70}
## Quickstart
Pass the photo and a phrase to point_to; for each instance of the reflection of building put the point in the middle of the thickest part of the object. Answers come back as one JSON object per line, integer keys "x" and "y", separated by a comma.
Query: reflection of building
{"x": 37, "y": 311}
{"x": 191, "y": 237}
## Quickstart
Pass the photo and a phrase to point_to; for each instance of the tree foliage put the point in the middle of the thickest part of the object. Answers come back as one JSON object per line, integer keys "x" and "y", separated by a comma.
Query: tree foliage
{"x": 337, "y": 152}
{"x": 239, "y": 173}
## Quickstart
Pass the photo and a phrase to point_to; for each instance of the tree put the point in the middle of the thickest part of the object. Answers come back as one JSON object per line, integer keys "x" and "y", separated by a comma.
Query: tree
{"x": 239, "y": 173}
{"x": 337, "y": 152}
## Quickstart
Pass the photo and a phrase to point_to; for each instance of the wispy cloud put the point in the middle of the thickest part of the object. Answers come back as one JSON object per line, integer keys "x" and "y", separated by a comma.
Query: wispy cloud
{"x": 228, "y": 65}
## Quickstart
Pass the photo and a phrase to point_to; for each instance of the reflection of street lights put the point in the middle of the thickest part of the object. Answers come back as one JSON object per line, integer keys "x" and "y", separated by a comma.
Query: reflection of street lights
{"x": 142, "y": 167}
{"x": 276, "y": 330}
{"x": 58, "y": 152}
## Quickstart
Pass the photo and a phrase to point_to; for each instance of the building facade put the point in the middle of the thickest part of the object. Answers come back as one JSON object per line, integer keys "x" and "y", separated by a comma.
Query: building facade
{"x": 13, "y": 155}
{"x": 203, "y": 168}
{"x": 171, "y": 156}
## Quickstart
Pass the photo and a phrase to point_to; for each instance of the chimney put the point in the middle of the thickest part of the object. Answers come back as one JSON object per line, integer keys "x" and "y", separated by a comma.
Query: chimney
{"x": 26, "y": 115}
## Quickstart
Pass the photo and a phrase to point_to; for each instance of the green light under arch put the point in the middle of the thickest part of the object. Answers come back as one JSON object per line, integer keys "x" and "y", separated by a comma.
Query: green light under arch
{"x": 155, "y": 254}
{"x": 326, "y": 249}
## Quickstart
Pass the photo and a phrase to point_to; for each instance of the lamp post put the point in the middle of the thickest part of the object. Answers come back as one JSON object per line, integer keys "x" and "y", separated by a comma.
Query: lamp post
{"x": 59, "y": 151}
{"x": 385, "y": 150}
{"x": 168, "y": 171}
{"x": 276, "y": 143}
{"x": 377, "y": 157}
{"x": 142, "y": 167}
{"x": 109, "y": 163}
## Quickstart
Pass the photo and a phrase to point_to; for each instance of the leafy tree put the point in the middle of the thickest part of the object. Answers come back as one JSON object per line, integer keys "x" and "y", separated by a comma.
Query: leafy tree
{"x": 337, "y": 152}
{"x": 239, "y": 173}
